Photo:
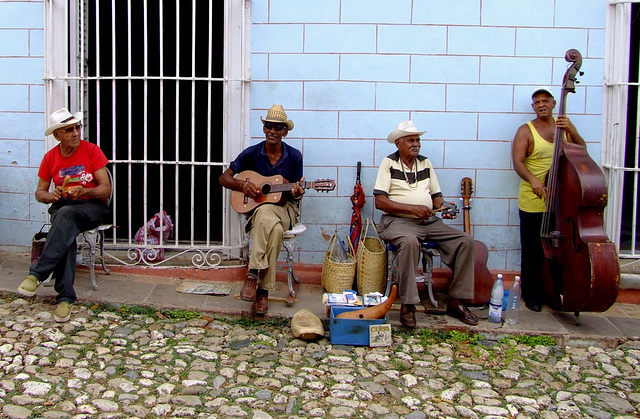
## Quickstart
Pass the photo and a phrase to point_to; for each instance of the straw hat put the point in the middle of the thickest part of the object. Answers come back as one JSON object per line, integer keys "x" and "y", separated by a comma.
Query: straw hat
{"x": 542, "y": 89}
{"x": 306, "y": 326}
{"x": 62, "y": 118}
{"x": 278, "y": 115}
{"x": 402, "y": 130}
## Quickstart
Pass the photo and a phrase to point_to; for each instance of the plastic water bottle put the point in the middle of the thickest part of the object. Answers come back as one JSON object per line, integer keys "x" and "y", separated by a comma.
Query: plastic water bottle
{"x": 513, "y": 305}
{"x": 505, "y": 299}
{"x": 495, "y": 304}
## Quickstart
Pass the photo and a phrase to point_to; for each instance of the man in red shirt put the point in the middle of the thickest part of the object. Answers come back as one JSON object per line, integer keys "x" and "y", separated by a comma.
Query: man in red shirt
{"x": 77, "y": 169}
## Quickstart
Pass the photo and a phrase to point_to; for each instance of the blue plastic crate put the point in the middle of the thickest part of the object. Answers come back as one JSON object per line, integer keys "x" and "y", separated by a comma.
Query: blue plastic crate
{"x": 350, "y": 331}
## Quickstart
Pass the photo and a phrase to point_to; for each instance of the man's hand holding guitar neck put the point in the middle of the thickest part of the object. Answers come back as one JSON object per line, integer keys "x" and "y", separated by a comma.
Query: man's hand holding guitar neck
{"x": 298, "y": 190}
{"x": 251, "y": 190}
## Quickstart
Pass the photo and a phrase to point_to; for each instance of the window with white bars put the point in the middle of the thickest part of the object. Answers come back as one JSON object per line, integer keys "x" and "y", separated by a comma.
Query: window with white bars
{"x": 162, "y": 87}
{"x": 622, "y": 124}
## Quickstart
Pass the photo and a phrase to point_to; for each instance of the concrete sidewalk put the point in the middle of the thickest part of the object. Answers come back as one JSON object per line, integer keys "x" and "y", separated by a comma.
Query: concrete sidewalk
{"x": 619, "y": 323}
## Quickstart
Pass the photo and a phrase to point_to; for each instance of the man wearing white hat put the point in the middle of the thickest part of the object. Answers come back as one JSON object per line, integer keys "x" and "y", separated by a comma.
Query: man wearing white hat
{"x": 532, "y": 153}
{"x": 407, "y": 191}
{"x": 269, "y": 221}
{"x": 77, "y": 170}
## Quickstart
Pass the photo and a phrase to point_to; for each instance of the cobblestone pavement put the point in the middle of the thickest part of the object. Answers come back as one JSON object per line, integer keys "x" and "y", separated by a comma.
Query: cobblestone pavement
{"x": 119, "y": 362}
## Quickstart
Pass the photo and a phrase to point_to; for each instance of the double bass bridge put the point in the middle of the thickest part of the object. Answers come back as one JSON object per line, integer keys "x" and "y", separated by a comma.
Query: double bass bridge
{"x": 551, "y": 242}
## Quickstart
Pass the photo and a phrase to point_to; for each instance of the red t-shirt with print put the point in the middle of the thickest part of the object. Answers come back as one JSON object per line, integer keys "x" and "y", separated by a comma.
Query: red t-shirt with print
{"x": 80, "y": 166}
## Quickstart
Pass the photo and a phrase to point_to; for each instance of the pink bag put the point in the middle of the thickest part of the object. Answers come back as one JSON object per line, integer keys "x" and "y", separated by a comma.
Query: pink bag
{"x": 154, "y": 231}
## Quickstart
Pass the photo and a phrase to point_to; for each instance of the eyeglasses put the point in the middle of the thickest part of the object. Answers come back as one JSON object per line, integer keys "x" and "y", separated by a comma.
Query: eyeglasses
{"x": 72, "y": 128}
{"x": 277, "y": 127}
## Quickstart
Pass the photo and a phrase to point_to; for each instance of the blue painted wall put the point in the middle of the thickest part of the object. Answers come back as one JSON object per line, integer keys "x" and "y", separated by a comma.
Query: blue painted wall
{"x": 347, "y": 72}
{"x": 21, "y": 120}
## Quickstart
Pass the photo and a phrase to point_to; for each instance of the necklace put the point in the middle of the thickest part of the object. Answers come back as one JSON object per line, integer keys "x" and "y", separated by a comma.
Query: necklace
{"x": 413, "y": 185}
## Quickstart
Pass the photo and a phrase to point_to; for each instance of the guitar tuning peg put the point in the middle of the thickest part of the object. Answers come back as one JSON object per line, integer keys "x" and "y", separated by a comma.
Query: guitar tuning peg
{"x": 581, "y": 73}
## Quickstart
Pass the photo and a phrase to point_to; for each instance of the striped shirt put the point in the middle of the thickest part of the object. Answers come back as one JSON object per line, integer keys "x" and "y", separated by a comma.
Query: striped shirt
{"x": 399, "y": 183}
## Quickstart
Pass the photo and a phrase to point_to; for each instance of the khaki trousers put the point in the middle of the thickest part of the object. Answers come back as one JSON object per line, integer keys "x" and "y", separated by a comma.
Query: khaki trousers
{"x": 456, "y": 249}
{"x": 268, "y": 224}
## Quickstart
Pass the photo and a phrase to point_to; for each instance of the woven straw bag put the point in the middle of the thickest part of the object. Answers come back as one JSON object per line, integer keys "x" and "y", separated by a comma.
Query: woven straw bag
{"x": 371, "y": 261}
{"x": 338, "y": 276}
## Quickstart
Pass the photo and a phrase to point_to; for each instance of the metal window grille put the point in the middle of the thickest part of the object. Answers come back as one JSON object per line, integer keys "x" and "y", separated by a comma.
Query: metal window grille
{"x": 622, "y": 124}
{"x": 163, "y": 86}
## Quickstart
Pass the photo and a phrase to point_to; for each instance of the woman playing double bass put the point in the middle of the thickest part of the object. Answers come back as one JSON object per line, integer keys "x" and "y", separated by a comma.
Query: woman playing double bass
{"x": 532, "y": 154}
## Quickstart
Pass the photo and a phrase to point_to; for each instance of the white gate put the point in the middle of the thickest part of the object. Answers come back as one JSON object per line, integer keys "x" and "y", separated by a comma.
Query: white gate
{"x": 620, "y": 147}
{"x": 163, "y": 87}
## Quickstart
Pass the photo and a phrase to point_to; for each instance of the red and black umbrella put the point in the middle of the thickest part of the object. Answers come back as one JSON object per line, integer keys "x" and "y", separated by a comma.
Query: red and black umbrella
{"x": 357, "y": 201}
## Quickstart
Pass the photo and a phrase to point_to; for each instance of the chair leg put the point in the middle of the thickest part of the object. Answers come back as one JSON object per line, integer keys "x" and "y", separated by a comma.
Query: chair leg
{"x": 292, "y": 281}
{"x": 427, "y": 268}
{"x": 101, "y": 245}
{"x": 391, "y": 256}
{"x": 92, "y": 261}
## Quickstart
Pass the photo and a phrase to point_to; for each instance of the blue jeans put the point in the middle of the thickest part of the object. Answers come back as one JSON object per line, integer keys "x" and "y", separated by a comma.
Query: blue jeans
{"x": 68, "y": 219}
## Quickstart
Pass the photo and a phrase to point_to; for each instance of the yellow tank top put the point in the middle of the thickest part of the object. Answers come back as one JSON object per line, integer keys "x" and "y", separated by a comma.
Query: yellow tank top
{"x": 538, "y": 164}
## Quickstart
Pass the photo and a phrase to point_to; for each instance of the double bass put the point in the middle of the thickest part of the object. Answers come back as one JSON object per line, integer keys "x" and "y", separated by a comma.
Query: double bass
{"x": 583, "y": 271}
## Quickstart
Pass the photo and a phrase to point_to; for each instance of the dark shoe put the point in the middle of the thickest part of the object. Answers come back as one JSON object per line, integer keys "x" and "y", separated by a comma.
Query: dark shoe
{"x": 533, "y": 306}
{"x": 248, "y": 291}
{"x": 408, "y": 315}
{"x": 261, "y": 304}
{"x": 462, "y": 313}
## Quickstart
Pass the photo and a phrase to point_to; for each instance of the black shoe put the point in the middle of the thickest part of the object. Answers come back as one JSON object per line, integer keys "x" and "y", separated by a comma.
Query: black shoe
{"x": 533, "y": 306}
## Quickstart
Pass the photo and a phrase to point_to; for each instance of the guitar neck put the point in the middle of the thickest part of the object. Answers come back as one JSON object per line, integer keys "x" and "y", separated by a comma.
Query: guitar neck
{"x": 466, "y": 216}
{"x": 287, "y": 187}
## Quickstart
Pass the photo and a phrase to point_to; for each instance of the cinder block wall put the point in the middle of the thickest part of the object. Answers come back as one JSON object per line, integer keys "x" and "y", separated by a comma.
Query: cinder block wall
{"x": 21, "y": 120}
{"x": 349, "y": 71}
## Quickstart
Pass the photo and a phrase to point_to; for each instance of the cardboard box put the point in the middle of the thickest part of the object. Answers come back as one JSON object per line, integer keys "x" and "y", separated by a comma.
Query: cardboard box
{"x": 350, "y": 331}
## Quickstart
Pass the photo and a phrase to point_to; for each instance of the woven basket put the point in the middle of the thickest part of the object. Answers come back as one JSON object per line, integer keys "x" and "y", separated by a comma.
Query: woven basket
{"x": 371, "y": 261}
{"x": 338, "y": 276}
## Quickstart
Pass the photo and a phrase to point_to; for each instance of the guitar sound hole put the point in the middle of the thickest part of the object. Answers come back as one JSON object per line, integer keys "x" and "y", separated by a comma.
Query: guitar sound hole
{"x": 266, "y": 189}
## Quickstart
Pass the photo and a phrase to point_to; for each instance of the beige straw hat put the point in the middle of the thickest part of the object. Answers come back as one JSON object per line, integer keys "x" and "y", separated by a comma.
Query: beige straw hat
{"x": 62, "y": 118}
{"x": 402, "y": 130}
{"x": 306, "y": 326}
{"x": 278, "y": 115}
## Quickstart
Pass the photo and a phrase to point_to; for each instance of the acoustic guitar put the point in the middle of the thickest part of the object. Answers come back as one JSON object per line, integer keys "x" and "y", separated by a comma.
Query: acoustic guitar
{"x": 271, "y": 189}
{"x": 483, "y": 280}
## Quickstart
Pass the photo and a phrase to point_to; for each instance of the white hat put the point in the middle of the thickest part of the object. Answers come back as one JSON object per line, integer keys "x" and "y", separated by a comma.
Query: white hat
{"x": 62, "y": 118}
{"x": 542, "y": 89}
{"x": 306, "y": 326}
{"x": 402, "y": 130}
{"x": 278, "y": 115}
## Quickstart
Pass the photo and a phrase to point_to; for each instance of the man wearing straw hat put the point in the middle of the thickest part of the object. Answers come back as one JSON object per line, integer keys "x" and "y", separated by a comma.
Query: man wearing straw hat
{"x": 408, "y": 193}
{"x": 77, "y": 169}
{"x": 269, "y": 221}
